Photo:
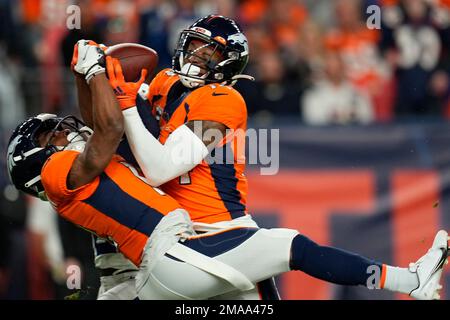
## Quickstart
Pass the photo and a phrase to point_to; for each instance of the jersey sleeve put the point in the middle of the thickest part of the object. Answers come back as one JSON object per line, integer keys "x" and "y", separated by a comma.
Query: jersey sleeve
{"x": 54, "y": 179}
{"x": 220, "y": 104}
{"x": 157, "y": 85}
{"x": 157, "y": 81}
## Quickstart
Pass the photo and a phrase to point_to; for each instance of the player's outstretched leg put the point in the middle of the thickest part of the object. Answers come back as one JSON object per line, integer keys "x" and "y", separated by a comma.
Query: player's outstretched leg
{"x": 420, "y": 280}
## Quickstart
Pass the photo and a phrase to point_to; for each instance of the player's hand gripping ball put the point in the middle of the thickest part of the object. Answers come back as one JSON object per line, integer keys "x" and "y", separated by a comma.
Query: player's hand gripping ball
{"x": 125, "y": 92}
{"x": 133, "y": 59}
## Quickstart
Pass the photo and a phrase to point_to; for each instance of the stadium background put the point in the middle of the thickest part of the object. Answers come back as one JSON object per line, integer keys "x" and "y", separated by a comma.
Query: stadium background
{"x": 363, "y": 118}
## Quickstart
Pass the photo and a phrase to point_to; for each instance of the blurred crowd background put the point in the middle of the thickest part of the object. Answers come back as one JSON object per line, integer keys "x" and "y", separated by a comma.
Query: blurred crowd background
{"x": 316, "y": 62}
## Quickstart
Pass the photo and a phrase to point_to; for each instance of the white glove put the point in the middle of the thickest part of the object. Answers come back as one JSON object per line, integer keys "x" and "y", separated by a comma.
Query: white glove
{"x": 88, "y": 60}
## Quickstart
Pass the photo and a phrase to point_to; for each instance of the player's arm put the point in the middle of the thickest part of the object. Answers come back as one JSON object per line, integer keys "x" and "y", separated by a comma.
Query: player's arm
{"x": 210, "y": 132}
{"x": 83, "y": 91}
{"x": 185, "y": 148}
{"x": 106, "y": 116}
{"x": 84, "y": 100}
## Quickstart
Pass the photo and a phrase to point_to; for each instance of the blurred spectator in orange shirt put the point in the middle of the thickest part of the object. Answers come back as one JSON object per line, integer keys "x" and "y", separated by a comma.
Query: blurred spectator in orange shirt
{"x": 285, "y": 19}
{"x": 252, "y": 11}
{"x": 358, "y": 47}
{"x": 278, "y": 21}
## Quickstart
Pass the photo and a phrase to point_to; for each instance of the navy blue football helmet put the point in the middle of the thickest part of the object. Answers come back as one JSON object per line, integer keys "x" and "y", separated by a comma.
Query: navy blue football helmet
{"x": 221, "y": 35}
{"x": 26, "y": 156}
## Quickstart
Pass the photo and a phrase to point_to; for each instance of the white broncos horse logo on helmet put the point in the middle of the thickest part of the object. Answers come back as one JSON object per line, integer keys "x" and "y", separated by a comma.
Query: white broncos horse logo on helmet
{"x": 240, "y": 39}
{"x": 11, "y": 149}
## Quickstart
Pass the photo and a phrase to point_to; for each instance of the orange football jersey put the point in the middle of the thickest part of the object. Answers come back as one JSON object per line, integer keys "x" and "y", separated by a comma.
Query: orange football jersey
{"x": 359, "y": 52}
{"x": 118, "y": 204}
{"x": 214, "y": 190}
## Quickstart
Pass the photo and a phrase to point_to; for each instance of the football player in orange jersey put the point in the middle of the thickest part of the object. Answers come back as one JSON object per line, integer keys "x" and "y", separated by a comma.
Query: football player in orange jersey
{"x": 197, "y": 106}
{"x": 91, "y": 186}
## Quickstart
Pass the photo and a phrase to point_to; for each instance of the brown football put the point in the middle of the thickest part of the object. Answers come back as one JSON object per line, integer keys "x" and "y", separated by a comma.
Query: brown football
{"x": 133, "y": 58}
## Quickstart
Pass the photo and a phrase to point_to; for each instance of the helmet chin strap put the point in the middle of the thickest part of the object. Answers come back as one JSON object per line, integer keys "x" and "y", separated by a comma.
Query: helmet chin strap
{"x": 240, "y": 76}
{"x": 188, "y": 70}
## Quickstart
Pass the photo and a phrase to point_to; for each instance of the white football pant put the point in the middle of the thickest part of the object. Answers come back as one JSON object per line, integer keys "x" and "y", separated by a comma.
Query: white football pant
{"x": 215, "y": 264}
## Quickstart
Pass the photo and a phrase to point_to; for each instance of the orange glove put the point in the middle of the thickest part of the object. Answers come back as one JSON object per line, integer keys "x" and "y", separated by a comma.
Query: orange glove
{"x": 125, "y": 91}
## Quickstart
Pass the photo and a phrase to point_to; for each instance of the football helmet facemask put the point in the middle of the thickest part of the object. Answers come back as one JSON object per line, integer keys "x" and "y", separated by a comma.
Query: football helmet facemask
{"x": 219, "y": 34}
